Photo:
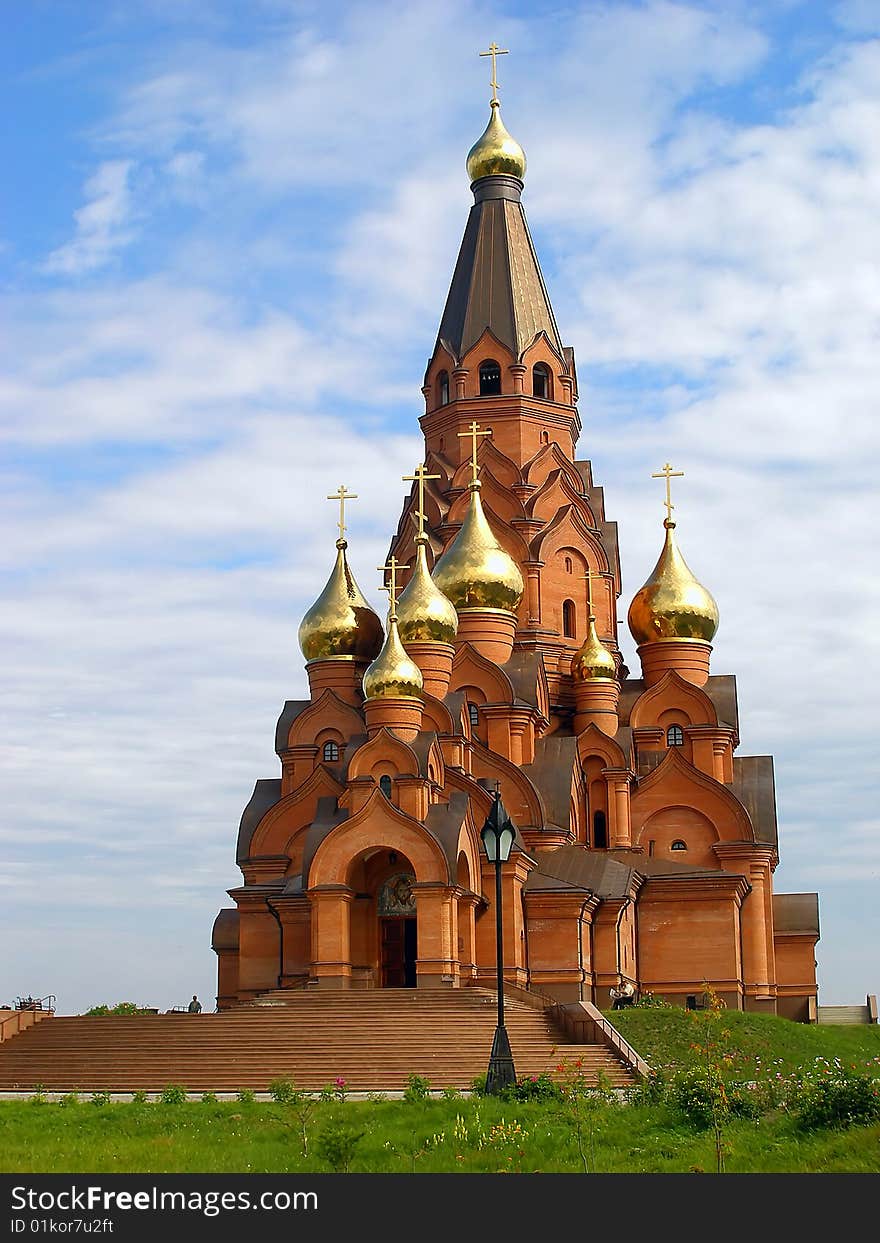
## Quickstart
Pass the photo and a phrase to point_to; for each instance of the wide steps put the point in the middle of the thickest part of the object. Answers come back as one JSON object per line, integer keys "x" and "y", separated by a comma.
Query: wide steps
{"x": 373, "y": 1040}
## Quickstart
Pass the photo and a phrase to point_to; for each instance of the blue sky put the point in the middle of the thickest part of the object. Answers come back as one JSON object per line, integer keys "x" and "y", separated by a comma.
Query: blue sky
{"x": 226, "y": 235}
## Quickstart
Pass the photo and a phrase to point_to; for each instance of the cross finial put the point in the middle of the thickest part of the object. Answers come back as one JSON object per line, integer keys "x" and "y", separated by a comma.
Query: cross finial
{"x": 421, "y": 474}
{"x": 668, "y": 473}
{"x": 589, "y": 576}
{"x": 342, "y": 495}
{"x": 474, "y": 432}
{"x": 495, "y": 50}
{"x": 391, "y": 587}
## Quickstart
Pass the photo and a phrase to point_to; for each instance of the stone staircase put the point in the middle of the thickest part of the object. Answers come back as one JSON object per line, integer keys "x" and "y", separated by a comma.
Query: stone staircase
{"x": 372, "y": 1039}
{"x": 846, "y": 1016}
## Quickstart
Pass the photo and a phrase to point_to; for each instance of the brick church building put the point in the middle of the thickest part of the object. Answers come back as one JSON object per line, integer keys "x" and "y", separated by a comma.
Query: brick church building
{"x": 645, "y": 845}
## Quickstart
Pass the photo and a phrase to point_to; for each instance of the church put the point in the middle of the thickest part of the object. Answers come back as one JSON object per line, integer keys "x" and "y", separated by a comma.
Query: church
{"x": 645, "y": 845}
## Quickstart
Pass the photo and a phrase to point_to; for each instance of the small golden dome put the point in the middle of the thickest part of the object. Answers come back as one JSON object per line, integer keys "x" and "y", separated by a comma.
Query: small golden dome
{"x": 495, "y": 152}
{"x": 672, "y": 604}
{"x": 593, "y": 659}
{"x": 340, "y": 624}
{"x": 475, "y": 572}
{"x": 423, "y": 612}
{"x": 392, "y": 675}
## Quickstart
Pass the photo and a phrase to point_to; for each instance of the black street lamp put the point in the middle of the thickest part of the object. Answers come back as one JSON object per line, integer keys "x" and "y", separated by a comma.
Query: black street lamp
{"x": 498, "y": 834}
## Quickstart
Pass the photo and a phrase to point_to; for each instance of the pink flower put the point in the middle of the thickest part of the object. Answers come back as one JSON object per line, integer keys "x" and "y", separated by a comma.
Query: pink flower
{"x": 340, "y": 1082}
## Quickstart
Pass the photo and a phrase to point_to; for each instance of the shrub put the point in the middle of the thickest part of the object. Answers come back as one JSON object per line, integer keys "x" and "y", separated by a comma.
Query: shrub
{"x": 121, "y": 1007}
{"x": 648, "y": 1001}
{"x": 652, "y": 1090}
{"x": 209, "y": 1098}
{"x": 699, "y": 1097}
{"x": 478, "y": 1085}
{"x": 68, "y": 1100}
{"x": 535, "y": 1088}
{"x": 245, "y": 1096}
{"x": 173, "y": 1094}
{"x": 417, "y": 1089}
{"x": 100, "y": 1099}
{"x": 336, "y": 1146}
{"x": 843, "y": 1100}
{"x": 450, "y": 1094}
{"x": 139, "y": 1097}
{"x": 282, "y": 1091}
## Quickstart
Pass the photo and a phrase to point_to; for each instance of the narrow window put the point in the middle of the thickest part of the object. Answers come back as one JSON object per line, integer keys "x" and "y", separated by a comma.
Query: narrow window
{"x": 443, "y": 387}
{"x": 600, "y": 830}
{"x": 675, "y": 736}
{"x": 545, "y": 438}
{"x": 568, "y": 565}
{"x": 650, "y": 849}
{"x": 540, "y": 381}
{"x": 568, "y": 619}
{"x": 385, "y": 786}
{"x": 678, "y": 844}
{"x": 474, "y": 715}
{"x": 331, "y": 752}
{"x": 490, "y": 378}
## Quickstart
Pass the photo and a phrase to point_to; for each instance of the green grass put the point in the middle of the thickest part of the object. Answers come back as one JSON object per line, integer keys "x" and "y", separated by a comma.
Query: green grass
{"x": 756, "y": 1042}
{"x": 478, "y": 1135}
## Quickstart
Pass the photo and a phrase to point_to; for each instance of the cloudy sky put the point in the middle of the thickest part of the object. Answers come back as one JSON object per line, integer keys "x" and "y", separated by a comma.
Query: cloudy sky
{"x": 226, "y": 236}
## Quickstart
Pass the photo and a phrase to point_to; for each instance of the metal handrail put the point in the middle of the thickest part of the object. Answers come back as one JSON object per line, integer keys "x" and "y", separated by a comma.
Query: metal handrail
{"x": 35, "y": 1003}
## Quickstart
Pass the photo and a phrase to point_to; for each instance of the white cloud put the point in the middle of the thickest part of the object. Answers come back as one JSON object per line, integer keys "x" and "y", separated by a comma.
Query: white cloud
{"x": 103, "y": 223}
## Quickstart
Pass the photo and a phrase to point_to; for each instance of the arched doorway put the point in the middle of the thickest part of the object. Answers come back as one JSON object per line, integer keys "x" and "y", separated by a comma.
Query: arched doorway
{"x": 398, "y": 931}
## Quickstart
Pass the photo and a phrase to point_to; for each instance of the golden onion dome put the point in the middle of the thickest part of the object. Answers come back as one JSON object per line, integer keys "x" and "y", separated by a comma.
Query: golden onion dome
{"x": 392, "y": 675}
{"x": 340, "y": 624}
{"x": 495, "y": 151}
{"x": 672, "y": 604}
{"x": 423, "y": 612}
{"x": 593, "y": 659}
{"x": 475, "y": 572}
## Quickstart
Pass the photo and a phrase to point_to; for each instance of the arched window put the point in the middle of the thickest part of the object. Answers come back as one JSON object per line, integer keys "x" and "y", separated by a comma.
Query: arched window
{"x": 385, "y": 785}
{"x": 443, "y": 387}
{"x": 678, "y": 844}
{"x": 568, "y": 619}
{"x": 545, "y": 438}
{"x": 600, "y": 830}
{"x": 675, "y": 736}
{"x": 568, "y": 565}
{"x": 541, "y": 381}
{"x": 490, "y": 378}
{"x": 473, "y": 715}
{"x": 331, "y": 752}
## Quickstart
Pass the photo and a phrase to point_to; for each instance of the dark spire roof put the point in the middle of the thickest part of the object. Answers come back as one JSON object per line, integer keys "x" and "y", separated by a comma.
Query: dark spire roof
{"x": 497, "y": 283}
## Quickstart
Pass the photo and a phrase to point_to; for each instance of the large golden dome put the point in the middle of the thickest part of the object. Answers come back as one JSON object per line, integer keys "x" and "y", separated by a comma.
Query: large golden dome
{"x": 672, "y": 604}
{"x": 423, "y": 612}
{"x": 392, "y": 675}
{"x": 340, "y": 624}
{"x": 475, "y": 572}
{"x": 495, "y": 151}
{"x": 593, "y": 659}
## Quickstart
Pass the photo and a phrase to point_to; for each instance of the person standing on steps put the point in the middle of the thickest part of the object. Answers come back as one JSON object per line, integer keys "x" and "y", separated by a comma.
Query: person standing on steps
{"x": 195, "y": 1006}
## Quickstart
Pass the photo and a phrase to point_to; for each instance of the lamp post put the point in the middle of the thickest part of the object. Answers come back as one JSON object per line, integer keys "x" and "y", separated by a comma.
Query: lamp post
{"x": 498, "y": 834}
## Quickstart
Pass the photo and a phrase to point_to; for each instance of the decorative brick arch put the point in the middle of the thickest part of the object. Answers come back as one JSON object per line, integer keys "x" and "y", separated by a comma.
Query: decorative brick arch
{"x": 291, "y": 813}
{"x": 675, "y": 782}
{"x": 469, "y": 668}
{"x": 378, "y": 825}
{"x": 672, "y": 692}
{"x": 548, "y": 459}
{"x": 326, "y": 714}
{"x": 383, "y": 747}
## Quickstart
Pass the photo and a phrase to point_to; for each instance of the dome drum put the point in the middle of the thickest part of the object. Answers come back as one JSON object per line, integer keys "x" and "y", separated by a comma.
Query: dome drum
{"x": 435, "y": 662}
{"x": 341, "y": 674}
{"x": 688, "y": 657}
{"x": 402, "y": 715}
{"x": 490, "y": 631}
{"x": 597, "y": 702}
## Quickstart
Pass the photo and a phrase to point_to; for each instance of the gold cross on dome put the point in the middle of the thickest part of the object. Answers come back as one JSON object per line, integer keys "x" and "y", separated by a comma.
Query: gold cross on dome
{"x": 495, "y": 50}
{"x": 391, "y": 568}
{"x": 589, "y": 576}
{"x": 421, "y": 474}
{"x": 342, "y": 495}
{"x": 474, "y": 432}
{"x": 668, "y": 474}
